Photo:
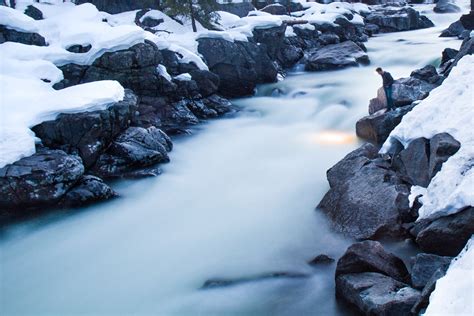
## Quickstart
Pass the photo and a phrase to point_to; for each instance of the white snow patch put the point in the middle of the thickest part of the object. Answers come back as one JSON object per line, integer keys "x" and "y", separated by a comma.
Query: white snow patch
{"x": 454, "y": 293}
{"x": 449, "y": 108}
{"x": 163, "y": 72}
{"x": 183, "y": 77}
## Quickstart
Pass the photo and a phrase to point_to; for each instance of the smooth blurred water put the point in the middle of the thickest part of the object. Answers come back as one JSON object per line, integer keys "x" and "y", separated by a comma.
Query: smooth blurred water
{"x": 237, "y": 201}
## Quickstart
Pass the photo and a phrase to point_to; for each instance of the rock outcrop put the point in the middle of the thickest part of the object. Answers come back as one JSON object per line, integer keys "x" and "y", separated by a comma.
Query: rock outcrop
{"x": 336, "y": 56}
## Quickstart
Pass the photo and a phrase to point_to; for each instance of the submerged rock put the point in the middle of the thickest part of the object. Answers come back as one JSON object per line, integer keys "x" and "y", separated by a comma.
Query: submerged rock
{"x": 336, "y": 56}
{"x": 376, "y": 294}
{"x": 370, "y": 256}
{"x": 39, "y": 180}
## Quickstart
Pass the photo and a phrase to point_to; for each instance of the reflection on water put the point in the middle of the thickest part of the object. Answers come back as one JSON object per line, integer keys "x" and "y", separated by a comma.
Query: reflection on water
{"x": 237, "y": 200}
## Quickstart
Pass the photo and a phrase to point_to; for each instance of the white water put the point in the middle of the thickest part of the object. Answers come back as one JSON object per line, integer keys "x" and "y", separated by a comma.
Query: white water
{"x": 237, "y": 200}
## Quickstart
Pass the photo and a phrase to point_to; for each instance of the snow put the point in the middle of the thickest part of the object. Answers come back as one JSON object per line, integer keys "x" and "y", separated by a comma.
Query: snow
{"x": 183, "y": 77}
{"x": 163, "y": 72}
{"x": 454, "y": 293}
{"x": 448, "y": 108}
{"x": 16, "y": 20}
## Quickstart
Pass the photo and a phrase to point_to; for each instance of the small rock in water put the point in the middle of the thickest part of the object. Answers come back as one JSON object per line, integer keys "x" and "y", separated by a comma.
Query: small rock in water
{"x": 321, "y": 259}
{"x": 222, "y": 282}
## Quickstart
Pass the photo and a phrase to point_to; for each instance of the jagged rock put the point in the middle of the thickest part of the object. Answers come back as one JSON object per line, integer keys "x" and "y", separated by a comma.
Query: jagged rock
{"x": 9, "y": 35}
{"x": 430, "y": 286}
{"x": 239, "y": 65}
{"x": 34, "y": 12}
{"x": 289, "y": 54}
{"x": 321, "y": 259}
{"x": 447, "y": 236}
{"x": 455, "y": 29}
{"x": 442, "y": 146}
{"x": 79, "y": 49}
{"x": 336, "y": 56}
{"x": 207, "y": 82}
{"x": 413, "y": 162}
{"x": 467, "y": 48}
{"x": 135, "y": 148}
{"x": 38, "y": 180}
{"x": 88, "y": 133}
{"x": 119, "y": 6}
{"x": 366, "y": 199}
{"x": 467, "y": 20}
{"x": 272, "y": 38}
{"x": 448, "y": 54}
{"x": 392, "y": 19}
{"x": 445, "y": 6}
{"x": 376, "y": 294}
{"x": 376, "y": 128}
{"x": 370, "y": 256}
{"x": 89, "y": 189}
{"x": 200, "y": 110}
{"x": 221, "y": 282}
{"x": 275, "y": 9}
{"x": 424, "y": 267}
{"x": 218, "y": 104}
{"x": 428, "y": 74}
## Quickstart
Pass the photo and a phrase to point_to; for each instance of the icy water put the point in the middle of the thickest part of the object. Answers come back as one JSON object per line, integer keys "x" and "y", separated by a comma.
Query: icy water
{"x": 237, "y": 201}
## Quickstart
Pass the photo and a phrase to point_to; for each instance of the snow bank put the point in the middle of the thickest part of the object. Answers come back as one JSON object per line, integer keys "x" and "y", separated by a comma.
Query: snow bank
{"x": 449, "y": 108}
{"x": 454, "y": 293}
{"x": 317, "y": 13}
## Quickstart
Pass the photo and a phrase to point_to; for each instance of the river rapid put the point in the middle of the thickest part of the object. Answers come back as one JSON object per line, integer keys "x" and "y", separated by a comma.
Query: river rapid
{"x": 237, "y": 201}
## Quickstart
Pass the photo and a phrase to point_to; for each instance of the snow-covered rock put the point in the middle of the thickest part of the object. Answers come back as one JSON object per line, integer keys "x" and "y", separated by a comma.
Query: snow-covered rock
{"x": 448, "y": 108}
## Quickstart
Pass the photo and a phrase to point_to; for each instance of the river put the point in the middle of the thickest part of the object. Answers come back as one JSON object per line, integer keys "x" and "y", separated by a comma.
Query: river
{"x": 237, "y": 200}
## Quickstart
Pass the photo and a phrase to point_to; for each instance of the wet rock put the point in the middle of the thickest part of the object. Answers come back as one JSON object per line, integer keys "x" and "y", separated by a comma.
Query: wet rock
{"x": 428, "y": 74}
{"x": 445, "y": 6}
{"x": 240, "y": 9}
{"x": 321, "y": 259}
{"x": 391, "y": 19}
{"x": 455, "y": 29}
{"x": 447, "y": 236}
{"x": 405, "y": 91}
{"x": 221, "y": 282}
{"x": 218, "y": 104}
{"x": 34, "y": 12}
{"x": 79, "y": 49}
{"x": 135, "y": 148}
{"x": 88, "y": 190}
{"x": 200, "y": 110}
{"x": 376, "y": 294}
{"x": 275, "y": 9}
{"x": 87, "y": 134}
{"x": 336, "y": 56}
{"x": 39, "y": 180}
{"x": 10, "y": 35}
{"x": 370, "y": 256}
{"x": 366, "y": 199}
{"x": 376, "y": 128}
{"x": 371, "y": 29}
{"x": 448, "y": 54}
{"x": 239, "y": 65}
{"x": 424, "y": 267}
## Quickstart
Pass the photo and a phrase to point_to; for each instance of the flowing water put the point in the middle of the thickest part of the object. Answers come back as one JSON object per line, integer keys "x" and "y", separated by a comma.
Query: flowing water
{"x": 237, "y": 201}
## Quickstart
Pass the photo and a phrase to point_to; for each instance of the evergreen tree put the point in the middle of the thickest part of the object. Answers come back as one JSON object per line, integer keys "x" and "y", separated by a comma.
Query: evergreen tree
{"x": 197, "y": 10}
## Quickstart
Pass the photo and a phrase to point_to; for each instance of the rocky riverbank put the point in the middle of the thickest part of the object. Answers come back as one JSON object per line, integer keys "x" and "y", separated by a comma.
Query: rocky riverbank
{"x": 166, "y": 93}
{"x": 373, "y": 194}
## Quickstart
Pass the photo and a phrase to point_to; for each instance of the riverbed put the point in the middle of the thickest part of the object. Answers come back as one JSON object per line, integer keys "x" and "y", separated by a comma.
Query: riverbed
{"x": 237, "y": 201}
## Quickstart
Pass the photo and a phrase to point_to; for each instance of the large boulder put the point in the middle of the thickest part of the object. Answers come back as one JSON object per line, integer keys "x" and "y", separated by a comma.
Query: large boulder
{"x": 366, "y": 199}
{"x": 275, "y": 9}
{"x": 239, "y": 65}
{"x": 446, "y": 6}
{"x": 88, "y": 190}
{"x": 135, "y": 148}
{"x": 442, "y": 146}
{"x": 118, "y": 6}
{"x": 39, "y": 180}
{"x": 376, "y": 294}
{"x": 455, "y": 29}
{"x": 405, "y": 91}
{"x": 392, "y": 19}
{"x": 88, "y": 134}
{"x": 370, "y": 256}
{"x": 272, "y": 38}
{"x": 376, "y": 128}
{"x": 447, "y": 236}
{"x": 336, "y": 56}
{"x": 424, "y": 267}
{"x": 10, "y": 35}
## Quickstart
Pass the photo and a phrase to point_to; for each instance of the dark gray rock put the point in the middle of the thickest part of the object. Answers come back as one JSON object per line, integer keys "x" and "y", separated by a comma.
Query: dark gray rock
{"x": 336, "y": 56}
{"x": 370, "y": 256}
{"x": 88, "y": 190}
{"x": 135, "y": 148}
{"x": 430, "y": 286}
{"x": 442, "y": 146}
{"x": 413, "y": 162}
{"x": 328, "y": 39}
{"x": 321, "y": 259}
{"x": 447, "y": 236}
{"x": 272, "y": 38}
{"x": 289, "y": 54}
{"x": 455, "y": 29}
{"x": 366, "y": 199}
{"x": 445, "y": 6}
{"x": 275, "y": 9}
{"x": 218, "y": 104}
{"x": 207, "y": 82}
{"x": 391, "y": 19}
{"x": 448, "y": 54}
{"x": 39, "y": 180}
{"x": 424, "y": 267}
{"x": 376, "y": 128}
{"x": 239, "y": 65}
{"x": 428, "y": 74}
{"x": 467, "y": 48}
{"x": 79, "y": 49}
{"x": 88, "y": 134}
{"x": 376, "y": 294}
{"x": 34, "y": 12}
{"x": 9, "y": 35}
{"x": 405, "y": 91}
{"x": 118, "y": 6}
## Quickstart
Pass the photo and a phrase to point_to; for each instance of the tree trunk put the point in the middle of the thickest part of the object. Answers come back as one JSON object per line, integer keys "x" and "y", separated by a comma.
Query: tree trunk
{"x": 191, "y": 13}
